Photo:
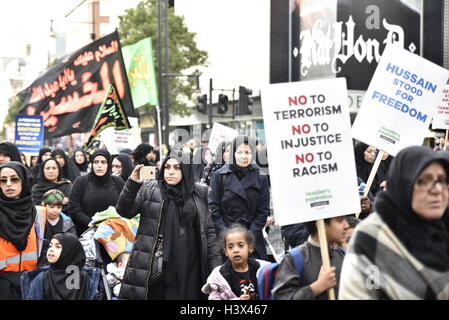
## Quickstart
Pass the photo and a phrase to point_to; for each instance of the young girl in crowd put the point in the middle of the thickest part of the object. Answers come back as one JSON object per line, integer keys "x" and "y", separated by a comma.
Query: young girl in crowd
{"x": 66, "y": 278}
{"x": 236, "y": 278}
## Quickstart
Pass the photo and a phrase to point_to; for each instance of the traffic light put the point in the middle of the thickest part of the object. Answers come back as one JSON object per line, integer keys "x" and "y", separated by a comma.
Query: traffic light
{"x": 202, "y": 104}
{"x": 222, "y": 103}
{"x": 245, "y": 102}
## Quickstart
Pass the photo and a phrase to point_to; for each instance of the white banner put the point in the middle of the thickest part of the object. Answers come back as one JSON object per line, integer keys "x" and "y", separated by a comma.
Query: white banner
{"x": 400, "y": 101}
{"x": 310, "y": 152}
{"x": 441, "y": 115}
{"x": 220, "y": 133}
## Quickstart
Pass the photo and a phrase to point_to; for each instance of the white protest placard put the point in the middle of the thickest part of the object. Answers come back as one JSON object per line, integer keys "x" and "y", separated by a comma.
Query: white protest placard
{"x": 400, "y": 101}
{"x": 310, "y": 153}
{"x": 116, "y": 140}
{"x": 220, "y": 133}
{"x": 441, "y": 116}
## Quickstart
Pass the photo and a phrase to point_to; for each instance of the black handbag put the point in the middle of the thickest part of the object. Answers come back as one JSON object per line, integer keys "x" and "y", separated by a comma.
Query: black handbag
{"x": 157, "y": 263}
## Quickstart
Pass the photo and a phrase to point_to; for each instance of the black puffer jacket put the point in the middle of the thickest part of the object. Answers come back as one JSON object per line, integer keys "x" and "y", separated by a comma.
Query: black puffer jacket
{"x": 146, "y": 199}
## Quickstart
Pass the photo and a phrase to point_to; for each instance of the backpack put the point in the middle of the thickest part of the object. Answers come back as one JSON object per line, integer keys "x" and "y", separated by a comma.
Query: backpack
{"x": 266, "y": 276}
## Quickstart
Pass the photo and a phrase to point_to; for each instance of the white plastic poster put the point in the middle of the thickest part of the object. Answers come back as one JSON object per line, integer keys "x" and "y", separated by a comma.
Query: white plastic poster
{"x": 441, "y": 115}
{"x": 400, "y": 101}
{"x": 220, "y": 133}
{"x": 116, "y": 140}
{"x": 310, "y": 151}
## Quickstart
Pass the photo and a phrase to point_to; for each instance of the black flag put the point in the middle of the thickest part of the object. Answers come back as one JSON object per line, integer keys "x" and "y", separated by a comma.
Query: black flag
{"x": 110, "y": 114}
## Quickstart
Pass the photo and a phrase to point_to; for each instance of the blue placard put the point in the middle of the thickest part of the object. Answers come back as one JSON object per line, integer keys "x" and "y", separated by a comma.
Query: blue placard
{"x": 29, "y": 137}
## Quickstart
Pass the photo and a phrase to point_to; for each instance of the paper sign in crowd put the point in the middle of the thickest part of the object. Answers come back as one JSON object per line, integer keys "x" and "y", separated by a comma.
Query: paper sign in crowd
{"x": 116, "y": 140}
{"x": 309, "y": 139}
{"x": 441, "y": 115}
{"x": 220, "y": 133}
{"x": 400, "y": 101}
{"x": 310, "y": 150}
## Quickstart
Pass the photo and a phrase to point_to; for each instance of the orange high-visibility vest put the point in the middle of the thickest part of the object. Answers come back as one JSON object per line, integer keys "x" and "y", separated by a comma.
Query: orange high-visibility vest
{"x": 12, "y": 259}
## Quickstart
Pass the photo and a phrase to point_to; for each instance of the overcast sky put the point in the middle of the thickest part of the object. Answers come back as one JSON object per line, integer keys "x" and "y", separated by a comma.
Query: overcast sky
{"x": 28, "y": 21}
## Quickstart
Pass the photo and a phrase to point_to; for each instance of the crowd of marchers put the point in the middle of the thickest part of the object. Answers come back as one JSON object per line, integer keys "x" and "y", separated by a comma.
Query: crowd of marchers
{"x": 195, "y": 231}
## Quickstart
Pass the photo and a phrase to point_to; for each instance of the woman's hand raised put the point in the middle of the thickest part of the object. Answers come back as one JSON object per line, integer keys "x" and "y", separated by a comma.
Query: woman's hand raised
{"x": 136, "y": 173}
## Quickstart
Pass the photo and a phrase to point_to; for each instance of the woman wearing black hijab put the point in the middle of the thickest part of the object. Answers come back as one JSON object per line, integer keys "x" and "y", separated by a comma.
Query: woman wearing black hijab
{"x": 240, "y": 193}
{"x": 9, "y": 152}
{"x": 21, "y": 228}
{"x": 66, "y": 278}
{"x": 173, "y": 209}
{"x": 122, "y": 166}
{"x": 50, "y": 177}
{"x": 402, "y": 249}
{"x": 364, "y": 160}
{"x": 44, "y": 153}
{"x": 69, "y": 169}
{"x": 94, "y": 192}
{"x": 79, "y": 158}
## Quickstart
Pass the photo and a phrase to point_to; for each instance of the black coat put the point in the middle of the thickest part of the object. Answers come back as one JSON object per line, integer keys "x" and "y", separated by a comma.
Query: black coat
{"x": 87, "y": 198}
{"x": 245, "y": 201}
{"x": 146, "y": 199}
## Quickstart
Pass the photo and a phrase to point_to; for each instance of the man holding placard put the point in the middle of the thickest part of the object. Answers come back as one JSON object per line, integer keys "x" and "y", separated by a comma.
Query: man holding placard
{"x": 309, "y": 145}
{"x": 316, "y": 278}
{"x": 310, "y": 150}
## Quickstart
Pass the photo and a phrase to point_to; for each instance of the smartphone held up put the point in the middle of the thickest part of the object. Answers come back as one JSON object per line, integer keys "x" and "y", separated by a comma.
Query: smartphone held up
{"x": 147, "y": 173}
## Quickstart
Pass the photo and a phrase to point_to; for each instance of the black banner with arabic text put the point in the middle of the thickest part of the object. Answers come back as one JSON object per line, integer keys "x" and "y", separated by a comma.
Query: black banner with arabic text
{"x": 69, "y": 94}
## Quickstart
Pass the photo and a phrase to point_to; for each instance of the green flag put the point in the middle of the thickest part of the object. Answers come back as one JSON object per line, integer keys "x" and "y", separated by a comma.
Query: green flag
{"x": 110, "y": 114}
{"x": 139, "y": 63}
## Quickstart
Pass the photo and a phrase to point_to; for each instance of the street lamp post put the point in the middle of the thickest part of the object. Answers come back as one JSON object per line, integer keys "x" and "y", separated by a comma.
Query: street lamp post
{"x": 209, "y": 109}
{"x": 162, "y": 35}
{"x": 166, "y": 113}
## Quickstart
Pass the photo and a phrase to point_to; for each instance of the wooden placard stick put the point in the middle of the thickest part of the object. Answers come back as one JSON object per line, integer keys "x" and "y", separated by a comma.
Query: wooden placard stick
{"x": 324, "y": 252}
{"x": 372, "y": 174}
{"x": 445, "y": 140}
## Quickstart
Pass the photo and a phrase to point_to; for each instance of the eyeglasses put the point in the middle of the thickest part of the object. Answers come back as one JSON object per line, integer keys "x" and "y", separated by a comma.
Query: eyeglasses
{"x": 241, "y": 153}
{"x": 14, "y": 180}
{"x": 427, "y": 184}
